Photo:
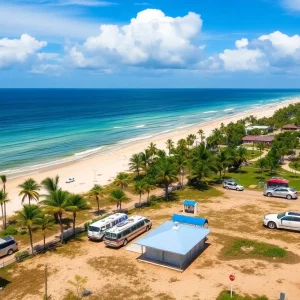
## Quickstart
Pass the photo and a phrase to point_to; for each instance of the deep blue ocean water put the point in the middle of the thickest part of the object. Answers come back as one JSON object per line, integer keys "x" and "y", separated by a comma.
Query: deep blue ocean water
{"x": 48, "y": 126}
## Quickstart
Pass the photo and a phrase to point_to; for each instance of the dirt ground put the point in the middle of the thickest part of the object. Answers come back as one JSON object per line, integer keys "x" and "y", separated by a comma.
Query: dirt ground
{"x": 116, "y": 274}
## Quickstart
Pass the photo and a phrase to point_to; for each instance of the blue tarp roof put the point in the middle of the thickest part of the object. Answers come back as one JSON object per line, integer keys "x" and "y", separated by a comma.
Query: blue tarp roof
{"x": 189, "y": 202}
{"x": 189, "y": 220}
{"x": 179, "y": 241}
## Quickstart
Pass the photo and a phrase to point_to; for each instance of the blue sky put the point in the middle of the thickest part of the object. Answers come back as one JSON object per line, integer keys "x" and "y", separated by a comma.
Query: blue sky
{"x": 166, "y": 43}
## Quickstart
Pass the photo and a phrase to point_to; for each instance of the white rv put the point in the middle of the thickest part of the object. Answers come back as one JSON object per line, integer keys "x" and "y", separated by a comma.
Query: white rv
{"x": 97, "y": 229}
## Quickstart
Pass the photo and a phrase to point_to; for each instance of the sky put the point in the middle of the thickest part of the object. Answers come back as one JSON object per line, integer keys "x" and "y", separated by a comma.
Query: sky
{"x": 150, "y": 44}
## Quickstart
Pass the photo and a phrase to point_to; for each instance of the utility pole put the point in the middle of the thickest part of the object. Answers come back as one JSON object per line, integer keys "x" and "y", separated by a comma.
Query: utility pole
{"x": 46, "y": 284}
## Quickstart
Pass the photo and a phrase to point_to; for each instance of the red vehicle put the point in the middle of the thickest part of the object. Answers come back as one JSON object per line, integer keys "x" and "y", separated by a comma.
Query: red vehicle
{"x": 277, "y": 182}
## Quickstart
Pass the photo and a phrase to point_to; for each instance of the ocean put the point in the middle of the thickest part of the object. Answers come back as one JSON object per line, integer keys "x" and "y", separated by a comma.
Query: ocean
{"x": 44, "y": 127}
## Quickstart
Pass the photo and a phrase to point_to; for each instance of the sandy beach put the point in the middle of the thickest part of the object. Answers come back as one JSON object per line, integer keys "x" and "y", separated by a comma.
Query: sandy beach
{"x": 101, "y": 169}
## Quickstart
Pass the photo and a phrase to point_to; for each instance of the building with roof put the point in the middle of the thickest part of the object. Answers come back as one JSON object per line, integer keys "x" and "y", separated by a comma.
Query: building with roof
{"x": 259, "y": 127}
{"x": 175, "y": 244}
{"x": 289, "y": 127}
{"x": 266, "y": 139}
{"x": 190, "y": 206}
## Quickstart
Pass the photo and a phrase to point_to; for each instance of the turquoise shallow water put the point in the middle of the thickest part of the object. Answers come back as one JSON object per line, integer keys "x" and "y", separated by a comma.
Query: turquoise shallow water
{"x": 41, "y": 127}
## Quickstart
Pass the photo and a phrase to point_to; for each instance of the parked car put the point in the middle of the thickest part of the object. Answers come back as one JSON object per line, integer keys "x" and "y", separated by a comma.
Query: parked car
{"x": 231, "y": 185}
{"x": 70, "y": 179}
{"x": 286, "y": 220}
{"x": 8, "y": 246}
{"x": 281, "y": 192}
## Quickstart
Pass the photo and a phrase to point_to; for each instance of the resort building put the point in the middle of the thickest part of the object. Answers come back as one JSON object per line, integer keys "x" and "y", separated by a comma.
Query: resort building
{"x": 289, "y": 127}
{"x": 175, "y": 244}
{"x": 262, "y": 129}
{"x": 266, "y": 139}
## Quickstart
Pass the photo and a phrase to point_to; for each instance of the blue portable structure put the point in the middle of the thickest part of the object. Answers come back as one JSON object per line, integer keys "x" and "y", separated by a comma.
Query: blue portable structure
{"x": 174, "y": 244}
{"x": 190, "y": 206}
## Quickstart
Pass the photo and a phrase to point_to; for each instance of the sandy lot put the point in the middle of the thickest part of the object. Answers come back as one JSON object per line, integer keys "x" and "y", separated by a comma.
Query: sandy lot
{"x": 114, "y": 274}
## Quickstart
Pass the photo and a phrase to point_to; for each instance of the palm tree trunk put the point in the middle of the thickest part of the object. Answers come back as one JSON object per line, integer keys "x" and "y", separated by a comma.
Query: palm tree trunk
{"x": 74, "y": 222}
{"x": 140, "y": 197}
{"x": 167, "y": 191}
{"x": 61, "y": 228}
{"x": 98, "y": 204}
{"x": 148, "y": 196}
{"x": 29, "y": 200}
{"x": 2, "y": 216}
{"x": 44, "y": 235}
{"x": 120, "y": 204}
{"x": 30, "y": 237}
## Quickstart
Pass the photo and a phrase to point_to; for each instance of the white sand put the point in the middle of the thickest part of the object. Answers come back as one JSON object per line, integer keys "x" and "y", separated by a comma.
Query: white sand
{"x": 107, "y": 165}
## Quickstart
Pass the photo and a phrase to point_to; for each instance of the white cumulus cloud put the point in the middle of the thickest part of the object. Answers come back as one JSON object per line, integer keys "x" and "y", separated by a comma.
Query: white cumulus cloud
{"x": 16, "y": 51}
{"x": 152, "y": 39}
{"x": 292, "y": 4}
{"x": 241, "y": 43}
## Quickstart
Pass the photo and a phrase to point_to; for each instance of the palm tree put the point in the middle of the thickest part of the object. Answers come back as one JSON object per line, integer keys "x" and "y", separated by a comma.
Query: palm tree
{"x": 190, "y": 139}
{"x": 74, "y": 204}
{"x": 261, "y": 147}
{"x": 30, "y": 189}
{"x": 97, "y": 191}
{"x": 222, "y": 161}
{"x": 145, "y": 159}
{"x": 4, "y": 180}
{"x": 122, "y": 180}
{"x": 152, "y": 148}
{"x": 240, "y": 156}
{"x": 149, "y": 186}
{"x": 135, "y": 163}
{"x": 139, "y": 188}
{"x": 201, "y": 134}
{"x": 118, "y": 196}
{"x": 29, "y": 216}
{"x": 201, "y": 170}
{"x": 3, "y": 201}
{"x": 262, "y": 163}
{"x": 170, "y": 145}
{"x": 166, "y": 174}
{"x": 45, "y": 222}
{"x": 56, "y": 202}
{"x": 181, "y": 163}
{"x": 50, "y": 184}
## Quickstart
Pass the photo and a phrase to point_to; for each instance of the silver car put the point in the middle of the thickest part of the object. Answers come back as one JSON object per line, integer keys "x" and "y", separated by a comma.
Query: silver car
{"x": 8, "y": 246}
{"x": 231, "y": 185}
{"x": 282, "y": 192}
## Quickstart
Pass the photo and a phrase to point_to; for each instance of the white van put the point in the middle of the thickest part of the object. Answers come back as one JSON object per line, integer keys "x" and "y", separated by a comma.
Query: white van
{"x": 97, "y": 229}
{"x": 8, "y": 246}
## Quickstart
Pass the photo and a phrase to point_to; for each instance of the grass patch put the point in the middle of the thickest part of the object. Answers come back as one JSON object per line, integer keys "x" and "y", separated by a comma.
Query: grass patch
{"x": 240, "y": 248}
{"x": 225, "y": 295}
{"x": 251, "y": 154}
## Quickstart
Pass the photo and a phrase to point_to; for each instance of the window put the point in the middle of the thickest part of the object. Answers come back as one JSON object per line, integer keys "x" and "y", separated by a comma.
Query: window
{"x": 147, "y": 221}
{"x": 280, "y": 216}
{"x": 284, "y": 190}
{"x": 287, "y": 219}
{"x": 295, "y": 219}
{"x": 4, "y": 245}
{"x": 107, "y": 226}
{"x": 114, "y": 223}
{"x": 119, "y": 235}
{"x": 293, "y": 214}
{"x": 94, "y": 229}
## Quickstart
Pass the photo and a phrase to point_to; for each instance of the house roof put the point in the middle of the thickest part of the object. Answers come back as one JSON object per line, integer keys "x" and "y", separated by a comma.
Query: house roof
{"x": 189, "y": 202}
{"x": 258, "y": 138}
{"x": 257, "y": 127}
{"x": 196, "y": 221}
{"x": 174, "y": 237}
{"x": 289, "y": 126}
{"x": 278, "y": 180}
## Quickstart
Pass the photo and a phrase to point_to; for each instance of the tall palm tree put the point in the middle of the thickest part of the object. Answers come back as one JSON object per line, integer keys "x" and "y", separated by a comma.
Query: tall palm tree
{"x": 74, "y": 204}
{"x": 181, "y": 163}
{"x": 3, "y": 200}
{"x": 51, "y": 184}
{"x": 222, "y": 161}
{"x": 56, "y": 202}
{"x": 149, "y": 186}
{"x": 261, "y": 147}
{"x": 201, "y": 134}
{"x": 118, "y": 196}
{"x": 135, "y": 163}
{"x": 4, "y": 180}
{"x": 262, "y": 163}
{"x": 170, "y": 145}
{"x": 45, "y": 222}
{"x": 152, "y": 148}
{"x": 122, "y": 180}
{"x": 97, "y": 191}
{"x": 29, "y": 216}
{"x": 145, "y": 159}
{"x": 30, "y": 190}
{"x": 166, "y": 174}
{"x": 139, "y": 188}
{"x": 190, "y": 140}
{"x": 201, "y": 170}
{"x": 240, "y": 156}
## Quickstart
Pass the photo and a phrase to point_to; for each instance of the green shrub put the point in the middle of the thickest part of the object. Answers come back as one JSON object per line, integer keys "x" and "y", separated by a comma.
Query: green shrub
{"x": 22, "y": 232}
{"x": 275, "y": 252}
{"x": 225, "y": 295}
{"x": 10, "y": 230}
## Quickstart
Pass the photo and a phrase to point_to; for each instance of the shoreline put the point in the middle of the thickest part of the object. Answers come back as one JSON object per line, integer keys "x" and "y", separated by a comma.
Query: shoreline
{"x": 102, "y": 167}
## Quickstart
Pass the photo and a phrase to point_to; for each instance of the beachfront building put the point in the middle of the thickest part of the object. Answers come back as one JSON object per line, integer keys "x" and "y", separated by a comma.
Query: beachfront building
{"x": 289, "y": 127}
{"x": 261, "y": 129}
{"x": 254, "y": 139}
{"x": 190, "y": 206}
{"x": 175, "y": 244}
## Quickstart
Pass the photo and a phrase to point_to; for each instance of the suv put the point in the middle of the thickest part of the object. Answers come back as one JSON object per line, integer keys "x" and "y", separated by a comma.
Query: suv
{"x": 282, "y": 192}
{"x": 8, "y": 246}
{"x": 231, "y": 185}
{"x": 287, "y": 220}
